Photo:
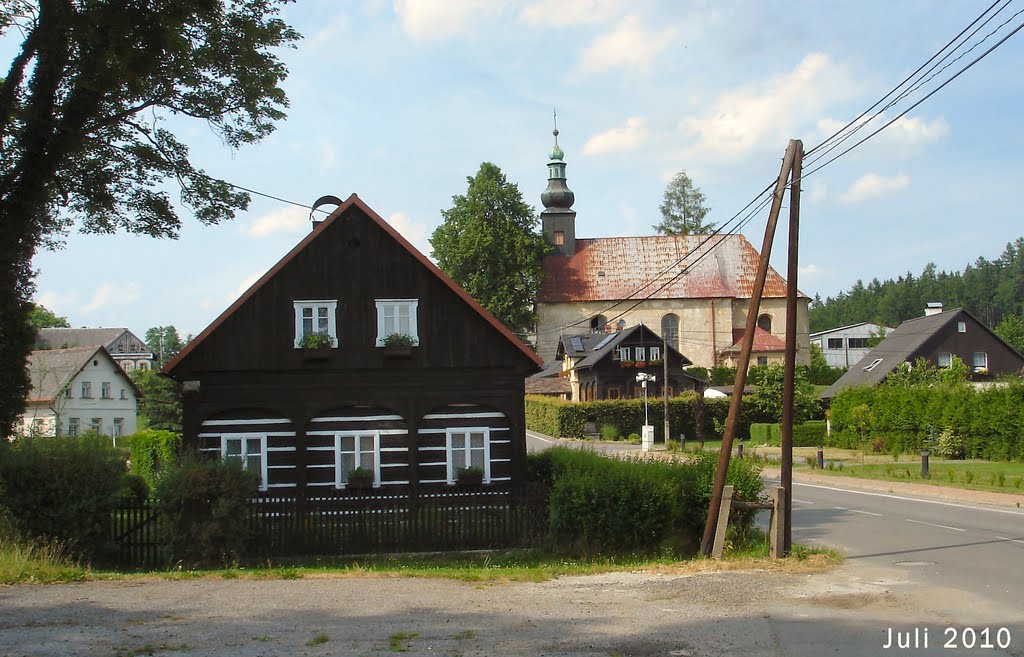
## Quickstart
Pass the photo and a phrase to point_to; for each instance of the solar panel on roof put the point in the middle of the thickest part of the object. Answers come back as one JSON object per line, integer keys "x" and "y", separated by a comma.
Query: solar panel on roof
{"x": 607, "y": 339}
{"x": 577, "y": 344}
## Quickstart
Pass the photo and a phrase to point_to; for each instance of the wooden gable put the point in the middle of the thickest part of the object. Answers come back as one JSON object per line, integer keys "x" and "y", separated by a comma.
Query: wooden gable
{"x": 355, "y": 258}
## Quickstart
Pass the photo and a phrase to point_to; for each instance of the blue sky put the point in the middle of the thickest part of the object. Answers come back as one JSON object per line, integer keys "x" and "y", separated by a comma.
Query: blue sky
{"x": 399, "y": 101}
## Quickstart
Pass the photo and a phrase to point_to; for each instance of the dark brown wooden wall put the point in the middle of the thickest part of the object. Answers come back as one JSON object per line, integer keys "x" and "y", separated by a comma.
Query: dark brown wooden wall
{"x": 1001, "y": 358}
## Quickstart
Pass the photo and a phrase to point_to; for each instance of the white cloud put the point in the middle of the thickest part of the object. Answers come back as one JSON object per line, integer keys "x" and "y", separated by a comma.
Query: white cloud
{"x": 872, "y": 186}
{"x": 626, "y": 138}
{"x": 629, "y": 46}
{"x": 809, "y": 270}
{"x": 246, "y": 283}
{"x": 333, "y": 29}
{"x": 817, "y": 192}
{"x": 569, "y": 12}
{"x": 742, "y": 120}
{"x": 111, "y": 293}
{"x": 906, "y": 131}
{"x": 411, "y": 230}
{"x": 435, "y": 20}
{"x": 289, "y": 219}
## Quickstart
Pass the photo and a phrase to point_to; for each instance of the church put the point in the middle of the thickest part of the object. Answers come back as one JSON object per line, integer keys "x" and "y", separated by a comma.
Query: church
{"x": 694, "y": 290}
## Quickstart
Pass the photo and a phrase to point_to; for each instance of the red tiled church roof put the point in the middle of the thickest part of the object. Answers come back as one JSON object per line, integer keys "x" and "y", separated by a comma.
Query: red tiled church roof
{"x": 616, "y": 268}
{"x": 763, "y": 341}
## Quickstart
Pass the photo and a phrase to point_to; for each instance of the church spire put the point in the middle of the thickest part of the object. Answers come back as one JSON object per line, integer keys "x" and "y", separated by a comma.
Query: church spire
{"x": 558, "y": 219}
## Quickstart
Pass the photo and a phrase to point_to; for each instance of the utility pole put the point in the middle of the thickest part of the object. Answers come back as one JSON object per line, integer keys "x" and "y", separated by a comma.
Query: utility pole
{"x": 789, "y": 376}
{"x": 725, "y": 451}
{"x": 664, "y": 382}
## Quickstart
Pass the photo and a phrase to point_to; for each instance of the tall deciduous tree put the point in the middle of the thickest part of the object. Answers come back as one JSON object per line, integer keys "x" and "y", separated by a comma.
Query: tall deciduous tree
{"x": 489, "y": 244}
{"x": 41, "y": 317}
{"x": 1011, "y": 330}
{"x": 84, "y": 132}
{"x": 683, "y": 209}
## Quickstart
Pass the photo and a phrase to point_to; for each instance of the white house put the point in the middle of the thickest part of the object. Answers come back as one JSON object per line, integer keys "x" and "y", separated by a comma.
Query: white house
{"x": 128, "y": 349}
{"x": 845, "y": 345}
{"x": 78, "y": 389}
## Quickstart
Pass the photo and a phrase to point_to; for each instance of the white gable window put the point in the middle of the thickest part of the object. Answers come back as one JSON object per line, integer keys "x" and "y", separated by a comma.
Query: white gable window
{"x": 469, "y": 448}
{"x": 397, "y": 316}
{"x": 641, "y": 353}
{"x": 655, "y": 353}
{"x": 624, "y": 353}
{"x": 316, "y": 316}
{"x": 356, "y": 449}
{"x": 945, "y": 359}
{"x": 250, "y": 451}
{"x": 980, "y": 361}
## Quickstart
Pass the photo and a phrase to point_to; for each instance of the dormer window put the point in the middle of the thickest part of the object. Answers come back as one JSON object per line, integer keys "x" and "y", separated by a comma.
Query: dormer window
{"x": 316, "y": 316}
{"x": 397, "y": 316}
{"x": 624, "y": 354}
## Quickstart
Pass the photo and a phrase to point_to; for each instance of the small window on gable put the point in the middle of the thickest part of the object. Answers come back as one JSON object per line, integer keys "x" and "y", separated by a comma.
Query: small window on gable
{"x": 641, "y": 353}
{"x": 655, "y": 353}
{"x": 559, "y": 237}
{"x": 961, "y": 327}
{"x": 316, "y": 317}
{"x": 397, "y": 316}
{"x": 624, "y": 354}
{"x": 86, "y": 390}
{"x": 873, "y": 365}
{"x": 945, "y": 359}
{"x": 980, "y": 360}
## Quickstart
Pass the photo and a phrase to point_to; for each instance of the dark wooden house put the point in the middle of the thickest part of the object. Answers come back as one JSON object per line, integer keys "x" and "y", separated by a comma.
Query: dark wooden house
{"x": 937, "y": 337}
{"x": 605, "y": 365}
{"x": 304, "y": 412}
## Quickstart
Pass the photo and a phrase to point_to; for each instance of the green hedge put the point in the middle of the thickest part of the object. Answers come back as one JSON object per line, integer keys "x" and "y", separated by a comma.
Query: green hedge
{"x": 601, "y": 504}
{"x": 902, "y": 418}
{"x": 152, "y": 451}
{"x": 806, "y": 434}
{"x": 765, "y": 433}
{"x": 564, "y": 419}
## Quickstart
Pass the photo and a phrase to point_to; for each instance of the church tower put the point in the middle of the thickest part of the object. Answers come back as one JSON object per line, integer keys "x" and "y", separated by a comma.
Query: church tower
{"x": 558, "y": 219}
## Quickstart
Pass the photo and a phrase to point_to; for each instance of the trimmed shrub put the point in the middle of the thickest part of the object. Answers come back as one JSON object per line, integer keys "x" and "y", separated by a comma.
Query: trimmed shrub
{"x": 205, "y": 506}
{"x": 609, "y": 432}
{"x": 606, "y": 505}
{"x": 64, "y": 490}
{"x": 151, "y": 452}
{"x": 764, "y": 433}
{"x": 809, "y": 434}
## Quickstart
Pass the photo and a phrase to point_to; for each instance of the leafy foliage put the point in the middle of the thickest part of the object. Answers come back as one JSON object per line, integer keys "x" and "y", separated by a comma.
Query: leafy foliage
{"x": 989, "y": 289}
{"x": 205, "y": 505}
{"x": 767, "y": 397}
{"x": 64, "y": 489}
{"x": 1011, "y": 330}
{"x": 40, "y": 317}
{"x": 85, "y": 108}
{"x": 160, "y": 405}
{"x": 152, "y": 452}
{"x": 683, "y": 209}
{"x": 489, "y": 244}
{"x": 606, "y": 505}
{"x": 164, "y": 342}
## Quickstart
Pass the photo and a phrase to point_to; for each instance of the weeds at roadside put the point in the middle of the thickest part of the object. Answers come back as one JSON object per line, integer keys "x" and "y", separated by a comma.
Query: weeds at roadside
{"x": 398, "y": 642}
{"x": 150, "y": 649}
{"x": 318, "y": 639}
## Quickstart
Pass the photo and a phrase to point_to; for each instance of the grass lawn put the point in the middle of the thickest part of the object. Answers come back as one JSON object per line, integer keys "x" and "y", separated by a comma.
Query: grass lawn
{"x": 1002, "y": 477}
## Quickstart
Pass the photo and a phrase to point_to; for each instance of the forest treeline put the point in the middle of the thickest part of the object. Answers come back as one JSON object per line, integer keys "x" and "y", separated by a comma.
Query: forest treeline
{"x": 991, "y": 290}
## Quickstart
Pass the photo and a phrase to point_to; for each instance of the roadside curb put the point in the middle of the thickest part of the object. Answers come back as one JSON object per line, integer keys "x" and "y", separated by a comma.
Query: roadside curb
{"x": 904, "y": 488}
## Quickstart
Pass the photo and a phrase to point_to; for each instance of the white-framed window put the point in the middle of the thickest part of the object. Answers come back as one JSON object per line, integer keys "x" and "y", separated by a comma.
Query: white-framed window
{"x": 980, "y": 360}
{"x": 945, "y": 359}
{"x": 86, "y": 390}
{"x": 96, "y": 424}
{"x": 118, "y": 427}
{"x": 397, "y": 316}
{"x": 640, "y": 353}
{"x": 124, "y": 394}
{"x": 316, "y": 316}
{"x": 961, "y": 327}
{"x": 655, "y": 353}
{"x": 72, "y": 426}
{"x": 624, "y": 353}
{"x": 356, "y": 449}
{"x": 143, "y": 364}
{"x": 468, "y": 447}
{"x": 105, "y": 390}
{"x": 250, "y": 451}
{"x": 128, "y": 366}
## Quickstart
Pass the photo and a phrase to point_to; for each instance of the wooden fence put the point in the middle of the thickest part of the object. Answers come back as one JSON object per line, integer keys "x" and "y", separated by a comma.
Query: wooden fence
{"x": 361, "y": 522}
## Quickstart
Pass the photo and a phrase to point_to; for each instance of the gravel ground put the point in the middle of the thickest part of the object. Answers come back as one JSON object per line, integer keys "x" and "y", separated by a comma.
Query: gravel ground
{"x": 713, "y": 614}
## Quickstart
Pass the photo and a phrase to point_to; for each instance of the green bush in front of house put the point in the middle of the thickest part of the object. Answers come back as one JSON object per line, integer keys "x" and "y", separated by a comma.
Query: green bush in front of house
{"x": 63, "y": 490}
{"x": 152, "y": 451}
{"x": 604, "y": 505}
{"x": 563, "y": 419}
{"x": 205, "y": 507}
{"x": 805, "y": 434}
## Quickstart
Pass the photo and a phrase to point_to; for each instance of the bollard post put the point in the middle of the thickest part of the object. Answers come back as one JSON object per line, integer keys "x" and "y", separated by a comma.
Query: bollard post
{"x": 924, "y": 464}
{"x": 739, "y": 450}
{"x": 682, "y": 442}
{"x": 821, "y": 458}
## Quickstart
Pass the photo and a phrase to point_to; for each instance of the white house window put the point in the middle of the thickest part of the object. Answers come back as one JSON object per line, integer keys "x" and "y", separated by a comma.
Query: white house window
{"x": 250, "y": 451}
{"x": 945, "y": 359}
{"x": 980, "y": 360}
{"x": 86, "y": 390}
{"x": 356, "y": 449}
{"x": 72, "y": 426}
{"x": 835, "y": 343}
{"x": 316, "y": 317}
{"x": 128, "y": 366}
{"x": 624, "y": 353}
{"x": 961, "y": 327}
{"x": 105, "y": 390}
{"x": 97, "y": 424}
{"x": 468, "y": 448}
{"x": 143, "y": 364}
{"x": 396, "y": 316}
{"x": 655, "y": 353}
{"x": 124, "y": 394}
{"x": 118, "y": 427}
{"x": 640, "y": 353}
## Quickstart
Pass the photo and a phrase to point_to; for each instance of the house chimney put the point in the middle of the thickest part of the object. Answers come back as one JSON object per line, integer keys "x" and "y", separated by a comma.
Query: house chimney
{"x": 933, "y": 308}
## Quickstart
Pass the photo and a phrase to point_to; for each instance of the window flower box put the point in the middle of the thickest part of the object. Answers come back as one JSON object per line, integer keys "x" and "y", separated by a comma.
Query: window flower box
{"x": 470, "y": 477}
{"x": 398, "y": 345}
{"x": 316, "y": 346}
{"x": 359, "y": 479}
